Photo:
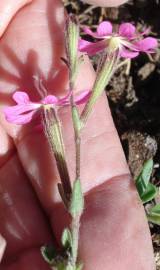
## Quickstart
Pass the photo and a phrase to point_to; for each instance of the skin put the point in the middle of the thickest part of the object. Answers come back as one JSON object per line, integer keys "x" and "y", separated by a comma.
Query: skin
{"x": 2, "y": 246}
{"x": 105, "y": 3}
{"x": 114, "y": 230}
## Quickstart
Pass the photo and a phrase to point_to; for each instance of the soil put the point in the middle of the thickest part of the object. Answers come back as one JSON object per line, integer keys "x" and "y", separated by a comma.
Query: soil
{"x": 134, "y": 94}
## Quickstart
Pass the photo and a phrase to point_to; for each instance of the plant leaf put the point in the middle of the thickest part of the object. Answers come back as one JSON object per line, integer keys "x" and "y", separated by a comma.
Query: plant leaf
{"x": 154, "y": 214}
{"x": 142, "y": 180}
{"x": 147, "y": 171}
{"x": 149, "y": 193}
{"x": 67, "y": 238}
{"x": 49, "y": 253}
{"x": 77, "y": 200}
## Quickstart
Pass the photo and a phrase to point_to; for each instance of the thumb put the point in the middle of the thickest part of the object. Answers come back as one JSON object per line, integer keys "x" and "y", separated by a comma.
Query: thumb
{"x": 113, "y": 217}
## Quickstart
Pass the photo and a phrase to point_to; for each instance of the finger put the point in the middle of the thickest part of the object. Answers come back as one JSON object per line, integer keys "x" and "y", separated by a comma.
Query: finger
{"x": 101, "y": 148}
{"x": 19, "y": 211}
{"x": 113, "y": 226}
{"x": 29, "y": 260}
{"x": 8, "y": 8}
{"x": 20, "y": 214}
{"x": 114, "y": 223}
{"x": 2, "y": 246}
{"x": 7, "y": 147}
{"x": 105, "y": 3}
{"x": 22, "y": 222}
{"x": 100, "y": 128}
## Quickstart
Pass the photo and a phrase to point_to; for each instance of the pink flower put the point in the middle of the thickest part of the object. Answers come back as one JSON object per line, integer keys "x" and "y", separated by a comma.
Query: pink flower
{"x": 127, "y": 41}
{"x": 25, "y": 110}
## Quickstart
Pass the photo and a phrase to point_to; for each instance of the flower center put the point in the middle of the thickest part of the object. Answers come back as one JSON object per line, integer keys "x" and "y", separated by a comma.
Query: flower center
{"x": 115, "y": 43}
{"x": 47, "y": 106}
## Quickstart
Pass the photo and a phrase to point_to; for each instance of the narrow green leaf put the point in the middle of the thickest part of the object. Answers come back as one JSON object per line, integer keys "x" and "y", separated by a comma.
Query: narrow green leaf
{"x": 145, "y": 174}
{"x": 147, "y": 171}
{"x": 155, "y": 210}
{"x": 67, "y": 267}
{"x": 140, "y": 186}
{"x": 154, "y": 214}
{"x": 49, "y": 253}
{"x": 149, "y": 193}
{"x": 61, "y": 266}
{"x": 67, "y": 238}
{"x": 77, "y": 201}
{"x": 76, "y": 119}
{"x": 142, "y": 180}
{"x": 70, "y": 267}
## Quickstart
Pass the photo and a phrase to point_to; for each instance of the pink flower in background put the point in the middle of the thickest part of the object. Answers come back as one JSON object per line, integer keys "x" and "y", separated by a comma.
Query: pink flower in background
{"x": 25, "y": 110}
{"x": 126, "y": 40}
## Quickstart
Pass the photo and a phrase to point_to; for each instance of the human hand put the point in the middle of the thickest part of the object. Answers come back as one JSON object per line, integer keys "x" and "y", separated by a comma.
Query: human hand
{"x": 114, "y": 231}
{"x": 8, "y": 8}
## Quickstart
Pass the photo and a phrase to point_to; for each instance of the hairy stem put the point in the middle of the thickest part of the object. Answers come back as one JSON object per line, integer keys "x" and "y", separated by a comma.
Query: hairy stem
{"x": 75, "y": 226}
{"x": 54, "y": 134}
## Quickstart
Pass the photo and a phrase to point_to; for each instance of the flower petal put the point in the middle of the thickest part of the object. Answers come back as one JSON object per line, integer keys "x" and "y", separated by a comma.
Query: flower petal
{"x": 21, "y": 97}
{"x": 127, "y": 30}
{"x": 90, "y": 47}
{"x": 50, "y": 99}
{"x": 65, "y": 100}
{"x": 20, "y": 119}
{"x": 104, "y": 29}
{"x": 19, "y": 109}
{"x": 82, "y": 97}
{"x": 89, "y": 32}
{"x": 17, "y": 113}
{"x": 146, "y": 45}
{"x": 128, "y": 54}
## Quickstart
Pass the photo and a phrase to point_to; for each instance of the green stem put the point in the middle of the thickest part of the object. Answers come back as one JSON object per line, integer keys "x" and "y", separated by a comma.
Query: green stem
{"x": 75, "y": 226}
{"x": 72, "y": 37}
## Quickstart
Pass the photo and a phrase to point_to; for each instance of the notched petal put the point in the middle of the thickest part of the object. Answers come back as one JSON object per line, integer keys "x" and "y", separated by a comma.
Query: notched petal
{"x": 89, "y": 32}
{"x": 50, "y": 99}
{"x": 128, "y": 54}
{"x": 104, "y": 29}
{"x": 21, "y": 97}
{"x": 21, "y": 119}
{"x": 82, "y": 97}
{"x": 91, "y": 48}
{"x": 127, "y": 30}
{"x": 147, "y": 44}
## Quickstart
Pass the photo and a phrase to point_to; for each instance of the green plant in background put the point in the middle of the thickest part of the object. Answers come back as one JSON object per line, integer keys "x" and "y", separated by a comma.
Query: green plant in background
{"x": 148, "y": 191}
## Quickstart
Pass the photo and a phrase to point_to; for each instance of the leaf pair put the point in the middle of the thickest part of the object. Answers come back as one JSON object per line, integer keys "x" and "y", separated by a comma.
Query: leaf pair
{"x": 147, "y": 191}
